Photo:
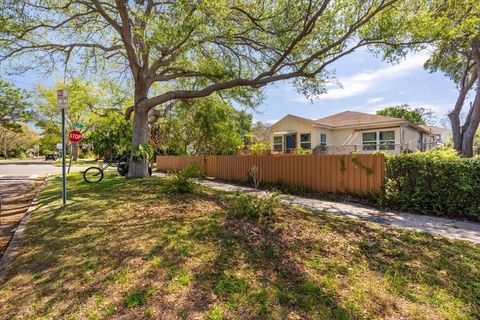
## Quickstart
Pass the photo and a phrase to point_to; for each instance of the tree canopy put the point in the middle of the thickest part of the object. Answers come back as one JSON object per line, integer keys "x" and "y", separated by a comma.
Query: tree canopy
{"x": 16, "y": 142}
{"x": 208, "y": 126}
{"x": 181, "y": 50}
{"x": 14, "y": 106}
{"x": 454, "y": 29}
{"x": 416, "y": 115}
{"x": 111, "y": 136}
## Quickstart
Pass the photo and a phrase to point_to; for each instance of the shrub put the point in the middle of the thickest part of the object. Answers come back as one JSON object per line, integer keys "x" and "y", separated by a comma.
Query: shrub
{"x": 253, "y": 207}
{"x": 434, "y": 182}
{"x": 259, "y": 148}
{"x": 300, "y": 151}
{"x": 193, "y": 170}
{"x": 182, "y": 182}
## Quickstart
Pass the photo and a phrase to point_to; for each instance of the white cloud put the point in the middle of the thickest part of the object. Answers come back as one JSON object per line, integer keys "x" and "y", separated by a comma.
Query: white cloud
{"x": 361, "y": 82}
{"x": 375, "y": 100}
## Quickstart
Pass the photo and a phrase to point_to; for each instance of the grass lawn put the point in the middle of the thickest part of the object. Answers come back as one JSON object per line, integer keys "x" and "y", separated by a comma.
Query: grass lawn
{"x": 122, "y": 249}
{"x": 79, "y": 163}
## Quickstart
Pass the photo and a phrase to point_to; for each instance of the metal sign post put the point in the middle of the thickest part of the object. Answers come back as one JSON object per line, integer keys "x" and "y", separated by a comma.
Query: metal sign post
{"x": 62, "y": 102}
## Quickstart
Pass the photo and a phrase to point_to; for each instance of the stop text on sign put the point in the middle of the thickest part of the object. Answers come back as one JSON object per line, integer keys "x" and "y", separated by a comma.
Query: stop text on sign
{"x": 75, "y": 136}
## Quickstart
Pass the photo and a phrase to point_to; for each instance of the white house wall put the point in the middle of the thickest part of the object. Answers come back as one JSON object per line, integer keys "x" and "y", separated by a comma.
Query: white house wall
{"x": 404, "y": 135}
{"x": 291, "y": 124}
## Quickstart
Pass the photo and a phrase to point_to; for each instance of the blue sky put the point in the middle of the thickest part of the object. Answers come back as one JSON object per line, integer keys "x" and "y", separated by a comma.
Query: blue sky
{"x": 369, "y": 84}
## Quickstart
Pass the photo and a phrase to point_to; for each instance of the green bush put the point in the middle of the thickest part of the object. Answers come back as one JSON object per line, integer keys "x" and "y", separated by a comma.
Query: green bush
{"x": 193, "y": 170}
{"x": 259, "y": 148}
{"x": 183, "y": 181}
{"x": 253, "y": 207}
{"x": 435, "y": 182}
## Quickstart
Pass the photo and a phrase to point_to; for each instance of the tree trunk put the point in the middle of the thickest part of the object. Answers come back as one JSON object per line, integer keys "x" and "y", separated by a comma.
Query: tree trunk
{"x": 454, "y": 116}
{"x": 471, "y": 127}
{"x": 473, "y": 118}
{"x": 74, "y": 151}
{"x": 5, "y": 151}
{"x": 139, "y": 169}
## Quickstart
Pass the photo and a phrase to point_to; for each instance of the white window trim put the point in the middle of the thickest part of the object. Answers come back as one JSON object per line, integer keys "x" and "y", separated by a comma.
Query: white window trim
{"x": 323, "y": 143}
{"x": 281, "y": 143}
{"x": 309, "y": 141}
{"x": 377, "y": 141}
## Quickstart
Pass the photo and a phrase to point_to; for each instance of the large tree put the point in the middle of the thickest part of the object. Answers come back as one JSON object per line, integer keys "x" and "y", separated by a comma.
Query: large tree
{"x": 415, "y": 115}
{"x": 181, "y": 50}
{"x": 111, "y": 136}
{"x": 88, "y": 104}
{"x": 14, "y": 106}
{"x": 207, "y": 126}
{"x": 16, "y": 141}
{"x": 452, "y": 27}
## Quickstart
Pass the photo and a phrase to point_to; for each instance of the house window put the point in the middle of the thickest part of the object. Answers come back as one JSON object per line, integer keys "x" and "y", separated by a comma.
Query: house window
{"x": 323, "y": 139}
{"x": 387, "y": 140}
{"x": 305, "y": 141}
{"x": 277, "y": 143}
{"x": 381, "y": 140}
{"x": 369, "y": 141}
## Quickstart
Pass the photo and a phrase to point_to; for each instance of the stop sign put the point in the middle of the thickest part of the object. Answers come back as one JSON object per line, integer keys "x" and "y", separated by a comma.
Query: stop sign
{"x": 75, "y": 136}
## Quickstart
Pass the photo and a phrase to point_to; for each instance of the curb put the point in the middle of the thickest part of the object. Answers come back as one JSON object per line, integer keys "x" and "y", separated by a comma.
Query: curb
{"x": 17, "y": 236}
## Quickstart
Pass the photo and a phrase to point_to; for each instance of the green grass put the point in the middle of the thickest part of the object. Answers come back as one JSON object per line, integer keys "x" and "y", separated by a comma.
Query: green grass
{"x": 124, "y": 249}
{"x": 79, "y": 163}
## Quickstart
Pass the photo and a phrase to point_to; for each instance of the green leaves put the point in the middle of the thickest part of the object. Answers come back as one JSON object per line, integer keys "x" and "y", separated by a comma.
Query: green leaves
{"x": 14, "y": 106}
{"x": 434, "y": 182}
{"x": 404, "y": 111}
{"x": 112, "y": 135}
{"x": 205, "y": 126}
{"x": 143, "y": 152}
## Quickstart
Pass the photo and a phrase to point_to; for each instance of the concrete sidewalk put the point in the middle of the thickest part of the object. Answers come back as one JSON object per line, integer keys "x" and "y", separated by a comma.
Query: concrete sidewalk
{"x": 449, "y": 228}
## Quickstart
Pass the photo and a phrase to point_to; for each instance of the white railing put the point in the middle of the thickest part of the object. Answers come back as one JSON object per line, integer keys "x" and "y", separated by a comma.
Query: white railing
{"x": 370, "y": 148}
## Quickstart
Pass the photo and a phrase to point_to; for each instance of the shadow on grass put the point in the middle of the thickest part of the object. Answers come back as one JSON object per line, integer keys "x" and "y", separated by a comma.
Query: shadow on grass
{"x": 122, "y": 248}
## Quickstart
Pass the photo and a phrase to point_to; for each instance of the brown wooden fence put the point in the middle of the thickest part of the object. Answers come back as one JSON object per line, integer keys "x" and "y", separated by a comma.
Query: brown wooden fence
{"x": 323, "y": 173}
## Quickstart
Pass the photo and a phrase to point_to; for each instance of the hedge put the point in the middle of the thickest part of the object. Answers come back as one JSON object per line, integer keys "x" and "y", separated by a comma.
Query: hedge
{"x": 435, "y": 182}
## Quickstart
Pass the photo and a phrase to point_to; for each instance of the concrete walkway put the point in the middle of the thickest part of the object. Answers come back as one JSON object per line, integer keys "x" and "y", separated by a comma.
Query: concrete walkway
{"x": 450, "y": 228}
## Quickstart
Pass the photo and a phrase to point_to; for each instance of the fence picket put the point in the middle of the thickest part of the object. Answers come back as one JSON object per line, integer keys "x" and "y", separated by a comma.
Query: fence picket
{"x": 322, "y": 173}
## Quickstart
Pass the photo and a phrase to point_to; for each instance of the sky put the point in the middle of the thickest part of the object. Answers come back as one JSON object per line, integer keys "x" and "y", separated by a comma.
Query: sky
{"x": 368, "y": 84}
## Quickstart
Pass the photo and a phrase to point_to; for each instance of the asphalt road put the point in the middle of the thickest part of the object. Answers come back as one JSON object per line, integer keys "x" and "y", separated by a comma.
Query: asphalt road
{"x": 27, "y": 170}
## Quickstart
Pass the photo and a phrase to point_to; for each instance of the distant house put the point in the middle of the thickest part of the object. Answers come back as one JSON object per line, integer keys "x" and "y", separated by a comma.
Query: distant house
{"x": 442, "y": 135}
{"x": 350, "y": 131}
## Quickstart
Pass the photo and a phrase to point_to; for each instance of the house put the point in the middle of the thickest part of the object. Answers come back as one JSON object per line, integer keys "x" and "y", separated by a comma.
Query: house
{"x": 348, "y": 132}
{"x": 442, "y": 135}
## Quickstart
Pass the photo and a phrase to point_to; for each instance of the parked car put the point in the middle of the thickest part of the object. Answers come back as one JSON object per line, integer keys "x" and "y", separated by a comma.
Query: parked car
{"x": 51, "y": 156}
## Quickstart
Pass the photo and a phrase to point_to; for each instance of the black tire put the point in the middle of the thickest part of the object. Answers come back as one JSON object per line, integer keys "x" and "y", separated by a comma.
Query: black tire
{"x": 93, "y": 175}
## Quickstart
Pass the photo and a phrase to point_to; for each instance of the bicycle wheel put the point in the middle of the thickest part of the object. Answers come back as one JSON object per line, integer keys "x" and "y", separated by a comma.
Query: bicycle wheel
{"x": 93, "y": 174}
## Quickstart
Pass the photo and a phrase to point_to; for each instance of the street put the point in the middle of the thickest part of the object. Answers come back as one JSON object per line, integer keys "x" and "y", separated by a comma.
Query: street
{"x": 19, "y": 169}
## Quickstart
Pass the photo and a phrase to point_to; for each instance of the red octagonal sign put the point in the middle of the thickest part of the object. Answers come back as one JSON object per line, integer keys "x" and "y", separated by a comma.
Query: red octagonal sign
{"x": 75, "y": 136}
